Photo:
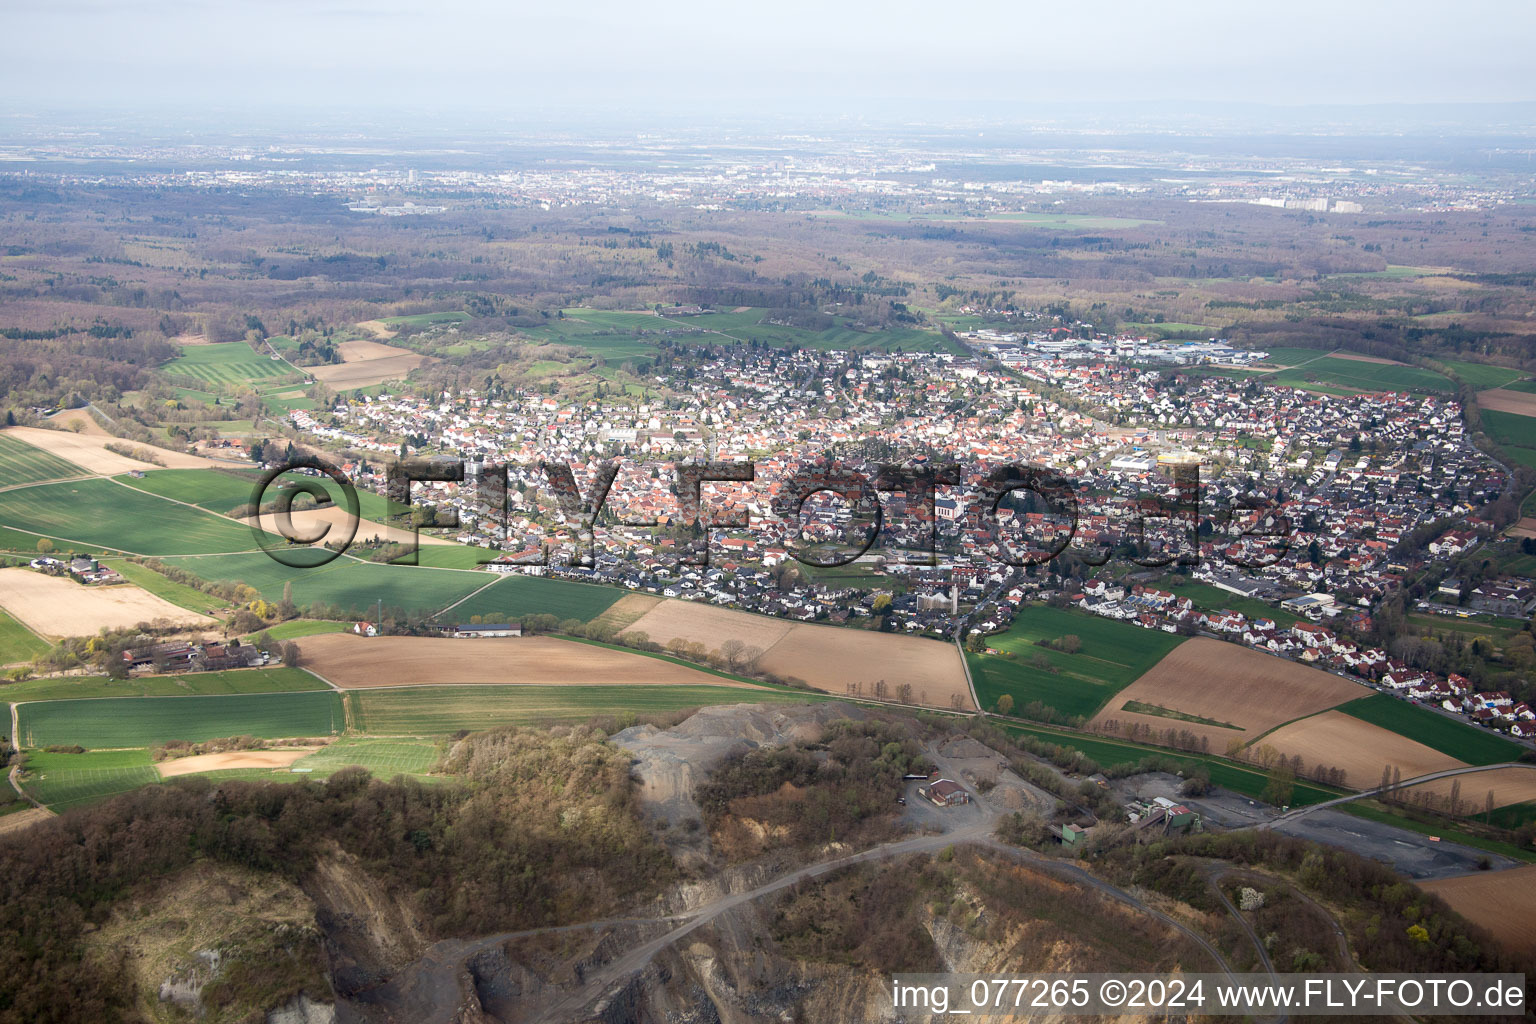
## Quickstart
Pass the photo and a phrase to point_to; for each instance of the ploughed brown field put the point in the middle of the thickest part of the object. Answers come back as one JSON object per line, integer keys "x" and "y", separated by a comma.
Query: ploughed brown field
{"x": 826, "y": 657}
{"x": 352, "y": 661}
{"x": 1516, "y": 785}
{"x": 1337, "y": 740}
{"x": 1223, "y": 682}
{"x": 1501, "y": 400}
{"x": 55, "y": 606}
{"x": 273, "y": 759}
{"x": 1504, "y": 902}
{"x": 366, "y": 363}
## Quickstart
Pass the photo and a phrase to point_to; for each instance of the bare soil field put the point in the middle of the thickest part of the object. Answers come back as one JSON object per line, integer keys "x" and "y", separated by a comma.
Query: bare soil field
{"x": 1358, "y": 358}
{"x": 367, "y": 363}
{"x": 626, "y": 611}
{"x": 1525, "y": 527}
{"x": 10, "y": 823}
{"x": 1504, "y": 902}
{"x": 55, "y": 606}
{"x": 1502, "y": 400}
{"x": 1360, "y": 748}
{"x": 89, "y": 451}
{"x": 1223, "y": 682}
{"x": 273, "y": 759}
{"x": 1508, "y": 786}
{"x": 352, "y": 661}
{"x": 826, "y": 657}
{"x": 378, "y": 328}
{"x": 69, "y": 417}
{"x": 308, "y": 522}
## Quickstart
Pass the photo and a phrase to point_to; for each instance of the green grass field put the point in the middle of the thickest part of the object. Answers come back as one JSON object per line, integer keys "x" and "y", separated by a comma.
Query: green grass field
{"x": 228, "y": 363}
{"x": 293, "y": 629}
{"x": 1483, "y": 376}
{"x": 17, "y": 642}
{"x": 216, "y": 490}
{"x": 512, "y": 597}
{"x": 437, "y": 710}
{"x": 63, "y": 781}
{"x": 1464, "y": 742}
{"x": 384, "y": 758}
{"x": 1214, "y": 599}
{"x": 1510, "y": 428}
{"x": 1360, "y": 376}
{"x": 101, "y": 513}
{"x": 351, "y": 585}
{"x": 241, "y": 680}
{"x": 426, "y": 319}
{"x": 178, "y": 594}
{"x": 21, "y": 463}
{"x": 146, "y": 721}
{"x": 1113, "y": 655}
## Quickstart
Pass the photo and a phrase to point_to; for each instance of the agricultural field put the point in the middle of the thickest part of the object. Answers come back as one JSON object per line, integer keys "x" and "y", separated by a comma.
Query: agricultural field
{"x": 1504, "y": 902}
{"x": 366, "y": 363}
{"x": 1481, "y": 375}
{"x": 1358, "y": 375}
{"x": 348, "y": 660}
{"x": 426, "y": 319}
{"x": 1112, "y": 656}
{"x": 190, "y": 684}
{"x": 217, "y": 490}
{"x": 57, "y": 606}
{"x": 89, "y": 451}
{"x": 1509, "y": 787}
{"x": 1342, "y": 741}
{"x": 17, "y": 642}
{"x": 229, "y": 364}
{"x": 828, "y": 658}
{"x": 346, "y": 583}
{"x": 243, "y": 761}
{"x": 63, "y": 781}
{"x": 102, "y": 513}
{"x": 179, "y": 594}
{"x": 1517, "y": 433}
{"x": 384, "y": 758}
{"x": 110, "y": 723}
{"x": 439, "y": 710}
{"x": 295, "y": 629}
{"x": 1455, "y": 739}
{"x": 22, "y": 463}
{"x": 1201, "y": 679}
{"x": 513, "y": 596}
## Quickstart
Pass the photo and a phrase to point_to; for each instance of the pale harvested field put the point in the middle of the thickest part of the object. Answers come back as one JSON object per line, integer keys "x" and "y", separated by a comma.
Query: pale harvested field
{"x": 1228, "y": 683}
{"x": 1526, "y": 527}
{"x": 1502, "y": 400}
{"x": 307, "y": 522}
{"x": 367, "y": 363}
{"x": 90, "y": 453}
{"x": 352, "y": 661}
{"x": 55, "y": 606}
{"x": 1356, "y": 357}
{"x": 626, "y": 611}
{"x": 20, "y": 820}
{"x": 69, "y": 417}
{"x": 234, "y": 759}
{"x": 378, "y": 328}
{"x": 1508, "y": 785}
{"x": 1360, "y": 748}
{"x": 826, "y": 657}
{"x": 1504, "y": 902}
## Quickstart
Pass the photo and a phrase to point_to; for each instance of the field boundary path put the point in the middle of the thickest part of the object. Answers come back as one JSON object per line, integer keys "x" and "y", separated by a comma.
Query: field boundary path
{"x": 15, "y": 771}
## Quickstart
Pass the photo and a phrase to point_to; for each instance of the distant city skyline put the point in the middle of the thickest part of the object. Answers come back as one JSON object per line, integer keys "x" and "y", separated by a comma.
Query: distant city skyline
{"x": 850, "y": 60}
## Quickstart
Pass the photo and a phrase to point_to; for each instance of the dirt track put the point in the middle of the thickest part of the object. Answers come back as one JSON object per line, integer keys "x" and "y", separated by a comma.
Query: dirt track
{"x": 55, "y": 606}
{"x": 352, "y": 661}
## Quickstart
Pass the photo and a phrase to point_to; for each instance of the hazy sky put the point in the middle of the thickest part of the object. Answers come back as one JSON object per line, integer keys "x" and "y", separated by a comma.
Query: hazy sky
{"x": 792, "y": 56}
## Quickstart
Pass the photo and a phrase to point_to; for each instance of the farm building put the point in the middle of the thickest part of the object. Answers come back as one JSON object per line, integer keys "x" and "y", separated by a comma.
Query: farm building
{"x": 461, "y": 632}
{"x": 944, "y": 793}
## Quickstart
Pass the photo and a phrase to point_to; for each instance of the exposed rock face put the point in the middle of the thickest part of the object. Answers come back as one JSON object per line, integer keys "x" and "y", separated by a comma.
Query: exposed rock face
{"x": 302, "y": 1010}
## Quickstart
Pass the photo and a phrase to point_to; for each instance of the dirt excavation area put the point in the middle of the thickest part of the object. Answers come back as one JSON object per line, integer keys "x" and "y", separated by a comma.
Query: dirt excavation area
{"x": 89, "y": 451}
{"x": 352, "y": 661}
{"x": 1197, "y": 680}
{"x": 273, "y": 759}
{"x": 366, "y": 363}
{"x": 55, "y": 606}
{"x": 828, "y": 658}
{"x": 1337, "y": 740}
